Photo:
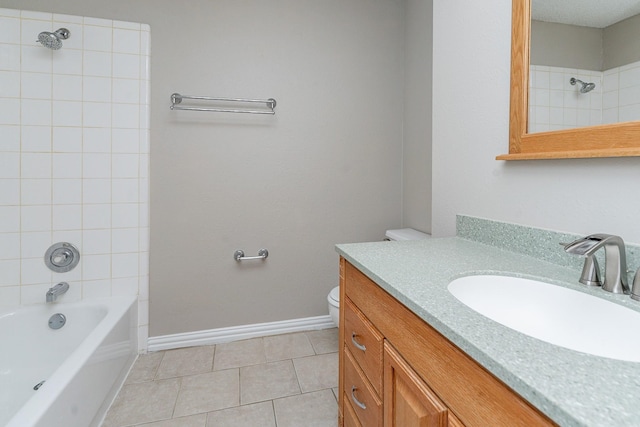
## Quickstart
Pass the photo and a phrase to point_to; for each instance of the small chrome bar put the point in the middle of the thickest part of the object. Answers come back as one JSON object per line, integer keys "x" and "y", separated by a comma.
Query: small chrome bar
{"x": 239, "y": 255}
{"x": 177, "y": 98}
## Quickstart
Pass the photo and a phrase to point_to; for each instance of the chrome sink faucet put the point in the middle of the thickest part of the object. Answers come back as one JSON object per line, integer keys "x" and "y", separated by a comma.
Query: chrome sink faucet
{"x": 635, "y": 289}
{"x": 54, "y": 292}
{"x": 615, "y": 277}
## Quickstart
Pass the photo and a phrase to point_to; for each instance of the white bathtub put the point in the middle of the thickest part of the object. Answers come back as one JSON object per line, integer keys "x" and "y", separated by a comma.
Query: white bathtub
{"x": 83, "y": 363}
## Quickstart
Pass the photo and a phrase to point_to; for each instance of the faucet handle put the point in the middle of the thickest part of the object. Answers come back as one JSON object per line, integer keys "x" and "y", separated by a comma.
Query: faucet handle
{"x": 591, "y": 272}
{"x": 635, "y": 288}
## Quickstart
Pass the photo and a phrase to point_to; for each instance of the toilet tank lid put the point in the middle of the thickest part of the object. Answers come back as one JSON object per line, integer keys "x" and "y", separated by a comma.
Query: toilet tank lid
{"x": 406, "y": 234}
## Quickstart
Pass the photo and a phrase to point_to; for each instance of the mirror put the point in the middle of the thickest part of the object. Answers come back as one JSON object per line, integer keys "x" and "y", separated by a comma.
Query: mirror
{"x": 586, "y": 134}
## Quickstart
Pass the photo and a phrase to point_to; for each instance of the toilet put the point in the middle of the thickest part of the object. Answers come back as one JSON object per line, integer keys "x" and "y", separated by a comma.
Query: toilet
{"x": 395, "y": 235}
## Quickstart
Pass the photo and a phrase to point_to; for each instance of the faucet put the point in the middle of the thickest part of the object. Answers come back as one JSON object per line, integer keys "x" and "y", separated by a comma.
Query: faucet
{"x": 615, "y": 268}
{"x": 635, "y": 289}
{"x": 56, "y": 291}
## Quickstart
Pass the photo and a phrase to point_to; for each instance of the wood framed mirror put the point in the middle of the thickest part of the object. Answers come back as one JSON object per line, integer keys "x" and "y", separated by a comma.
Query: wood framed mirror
{"x": 609, "y": 140}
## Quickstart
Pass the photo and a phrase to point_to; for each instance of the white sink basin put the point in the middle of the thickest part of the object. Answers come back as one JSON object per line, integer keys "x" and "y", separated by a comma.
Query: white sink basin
{"x": 554, "y": 314}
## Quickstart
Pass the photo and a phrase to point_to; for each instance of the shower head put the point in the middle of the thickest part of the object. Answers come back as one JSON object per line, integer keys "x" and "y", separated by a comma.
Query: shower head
{"x": 53, "y": 40}
{"x": 585, "y": 87}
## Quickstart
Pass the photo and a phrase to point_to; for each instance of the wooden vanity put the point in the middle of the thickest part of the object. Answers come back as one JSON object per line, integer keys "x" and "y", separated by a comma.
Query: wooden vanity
{"x": 396, "y": 370}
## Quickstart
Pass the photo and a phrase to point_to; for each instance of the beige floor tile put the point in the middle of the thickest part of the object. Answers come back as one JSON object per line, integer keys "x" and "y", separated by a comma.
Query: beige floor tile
{"x": 145, "y": 367}
{"x": 143, "y": 403}
{"x": 317, "y": 409}
{"x": 186, "y": 361}
{"x": 317, "y": 372}
{"x": 208, "y": 392}
{"x": 324, "y": 341}
{"x": 255, "y": 415}
{"x": 267, "y": 381}
{"x": 288, "y": 346}
{"x": 239, "y": 353}
{"x": 199, "y": 420}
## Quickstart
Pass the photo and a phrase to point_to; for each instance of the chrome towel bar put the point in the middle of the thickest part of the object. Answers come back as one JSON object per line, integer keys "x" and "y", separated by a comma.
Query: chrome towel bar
{"x": 176, "y": 99}
{"x": 239, "y": 255}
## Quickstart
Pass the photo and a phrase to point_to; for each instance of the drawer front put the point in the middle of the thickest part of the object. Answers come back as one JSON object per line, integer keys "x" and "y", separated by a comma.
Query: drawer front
{"x": 350, "y": 417}
{"x": 358, "y": 392}
{"x": 365, "y": 343}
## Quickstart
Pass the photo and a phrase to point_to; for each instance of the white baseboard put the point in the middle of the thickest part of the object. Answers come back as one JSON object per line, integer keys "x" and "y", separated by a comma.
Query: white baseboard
{"x": 236, "y": 333}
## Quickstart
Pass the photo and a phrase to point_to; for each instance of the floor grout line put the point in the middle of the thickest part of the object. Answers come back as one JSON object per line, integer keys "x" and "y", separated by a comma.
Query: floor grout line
{"x": 153, "y": 370}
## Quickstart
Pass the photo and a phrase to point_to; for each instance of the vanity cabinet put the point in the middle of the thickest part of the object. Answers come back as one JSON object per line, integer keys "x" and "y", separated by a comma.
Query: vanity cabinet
{"x": 397, "y": 371}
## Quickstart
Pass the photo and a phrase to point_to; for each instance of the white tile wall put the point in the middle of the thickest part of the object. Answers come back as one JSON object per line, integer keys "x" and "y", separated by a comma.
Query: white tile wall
{"x": 74, "y": 157}
{"x": 555, "y": 104}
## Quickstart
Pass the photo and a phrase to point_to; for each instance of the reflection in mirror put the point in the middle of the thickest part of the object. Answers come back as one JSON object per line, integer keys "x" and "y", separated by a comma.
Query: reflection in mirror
{"x": 584, "y": 63}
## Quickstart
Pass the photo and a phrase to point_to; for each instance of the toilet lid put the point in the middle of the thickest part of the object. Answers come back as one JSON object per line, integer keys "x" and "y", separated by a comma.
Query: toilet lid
{"x": 335, "y": 294}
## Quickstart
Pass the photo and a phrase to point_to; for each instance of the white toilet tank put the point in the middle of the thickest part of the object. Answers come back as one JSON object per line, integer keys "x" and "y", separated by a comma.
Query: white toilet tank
{"x": 399, "y": 234}
{"x": 406, "y": 234}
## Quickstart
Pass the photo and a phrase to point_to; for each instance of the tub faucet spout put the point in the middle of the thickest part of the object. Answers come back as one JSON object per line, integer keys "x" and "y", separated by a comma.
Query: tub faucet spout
{"x": 56, "y": 291}
{"x": 615, "y": 279}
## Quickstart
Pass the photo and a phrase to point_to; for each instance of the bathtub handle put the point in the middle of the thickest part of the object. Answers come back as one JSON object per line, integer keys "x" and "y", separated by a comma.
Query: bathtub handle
{"x": 62, "y": 257}
{"x": 239, "y": 255}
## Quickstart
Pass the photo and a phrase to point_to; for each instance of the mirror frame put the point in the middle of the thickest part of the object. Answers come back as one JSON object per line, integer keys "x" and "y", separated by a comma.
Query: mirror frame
{"x": 613, "y": 140}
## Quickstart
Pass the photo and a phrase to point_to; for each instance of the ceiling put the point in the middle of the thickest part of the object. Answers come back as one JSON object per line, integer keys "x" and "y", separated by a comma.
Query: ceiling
{"x": 586, "y": 13}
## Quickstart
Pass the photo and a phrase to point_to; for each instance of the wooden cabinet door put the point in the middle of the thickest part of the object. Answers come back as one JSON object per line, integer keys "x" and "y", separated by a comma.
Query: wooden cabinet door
{"x": 408, "y": 401}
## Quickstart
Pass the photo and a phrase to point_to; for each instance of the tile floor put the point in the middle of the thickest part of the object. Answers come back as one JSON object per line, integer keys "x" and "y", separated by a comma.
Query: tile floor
{"x": 278, "y": 381}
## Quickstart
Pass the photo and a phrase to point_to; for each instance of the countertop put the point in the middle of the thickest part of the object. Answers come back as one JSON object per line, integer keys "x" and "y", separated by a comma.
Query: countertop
{"x": 572, "y": 388}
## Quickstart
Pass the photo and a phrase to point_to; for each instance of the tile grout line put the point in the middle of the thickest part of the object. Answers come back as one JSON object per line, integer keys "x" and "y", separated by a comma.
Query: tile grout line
{"x": 157, "y": 371}
{"x": 273, "y": 408}
{"x": 297, "y": 376}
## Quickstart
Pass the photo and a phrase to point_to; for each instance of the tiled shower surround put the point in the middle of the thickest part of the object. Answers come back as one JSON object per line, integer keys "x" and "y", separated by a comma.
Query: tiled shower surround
{"x": 555, "y": 104}
{"x": 74, "y": 157}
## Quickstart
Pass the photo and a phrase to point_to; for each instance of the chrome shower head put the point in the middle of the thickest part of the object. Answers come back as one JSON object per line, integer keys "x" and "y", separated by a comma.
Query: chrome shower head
{"x": 53, "y": 40}
{"x": 585, "y": 87}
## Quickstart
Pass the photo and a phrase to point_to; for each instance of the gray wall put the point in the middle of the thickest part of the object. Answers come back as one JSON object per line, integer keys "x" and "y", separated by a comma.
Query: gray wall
{"x": 569, "y": 46}
{"x": 416, "y": 155}
{"x": 596, "y": 49}
{"x": 622, "y": 43}
{"x": 325, "y": 169}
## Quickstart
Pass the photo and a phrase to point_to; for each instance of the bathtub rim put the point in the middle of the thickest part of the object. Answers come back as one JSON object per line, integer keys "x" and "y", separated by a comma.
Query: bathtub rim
{"x": 35, "y": 407}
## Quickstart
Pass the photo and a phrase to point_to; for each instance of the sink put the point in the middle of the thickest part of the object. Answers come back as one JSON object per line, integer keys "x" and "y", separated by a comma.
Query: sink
{"x": 557, "y": 315}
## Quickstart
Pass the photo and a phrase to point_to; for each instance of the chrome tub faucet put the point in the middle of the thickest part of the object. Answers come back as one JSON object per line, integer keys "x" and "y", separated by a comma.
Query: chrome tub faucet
{"x": 615, "y": 269}
{"x": 54, "y": 292}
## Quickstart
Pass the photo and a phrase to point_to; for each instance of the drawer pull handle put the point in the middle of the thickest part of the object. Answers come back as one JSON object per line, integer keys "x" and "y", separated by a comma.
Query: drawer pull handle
{"x": 356, "y": 343}
{"x": 355, "y": 399}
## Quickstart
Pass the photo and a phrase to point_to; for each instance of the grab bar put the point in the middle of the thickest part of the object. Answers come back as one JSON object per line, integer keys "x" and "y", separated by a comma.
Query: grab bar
{"x": 176, "y": 99}
{"x": 239, "y": 255}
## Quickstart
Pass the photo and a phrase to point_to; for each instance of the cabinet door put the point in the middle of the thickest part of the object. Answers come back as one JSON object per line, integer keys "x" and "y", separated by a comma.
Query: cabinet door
{"x": 408, "y": 401}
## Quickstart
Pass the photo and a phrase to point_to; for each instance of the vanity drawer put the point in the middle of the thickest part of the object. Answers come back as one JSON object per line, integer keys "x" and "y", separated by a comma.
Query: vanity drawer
{"x": 350, "y": 417}
{"x": 365, "y": 343}
{"x": 359, "y": 393}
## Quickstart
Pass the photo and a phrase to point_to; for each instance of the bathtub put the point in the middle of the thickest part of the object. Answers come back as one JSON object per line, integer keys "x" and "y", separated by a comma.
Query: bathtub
{"x": 83, "y": 364}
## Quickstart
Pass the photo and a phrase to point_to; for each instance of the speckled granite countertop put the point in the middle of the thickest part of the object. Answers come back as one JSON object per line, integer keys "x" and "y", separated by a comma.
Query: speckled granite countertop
{"x": 572, "y": 388}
